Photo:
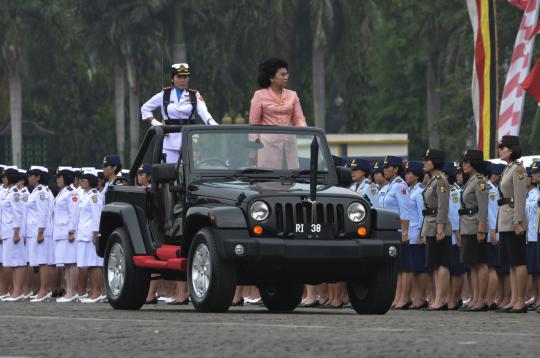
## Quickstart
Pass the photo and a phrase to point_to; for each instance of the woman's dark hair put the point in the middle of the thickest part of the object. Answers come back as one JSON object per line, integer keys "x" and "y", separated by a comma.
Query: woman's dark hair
{"x": 12, "y": 177}
{"x": 92, "y": 180}
{"x": 437, "y": 163}
{"x": 44, "y": 178}
{"x": 268, "y": 70}
{"x": 478, "y": 165}
{"x": 68, "y": 179}
{"x": 118, "y": 169}
{"x": 516, "y": 152}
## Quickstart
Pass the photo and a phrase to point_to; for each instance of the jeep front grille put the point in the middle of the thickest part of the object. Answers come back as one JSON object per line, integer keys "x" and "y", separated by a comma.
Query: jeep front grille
{"x": 287, "y": 215}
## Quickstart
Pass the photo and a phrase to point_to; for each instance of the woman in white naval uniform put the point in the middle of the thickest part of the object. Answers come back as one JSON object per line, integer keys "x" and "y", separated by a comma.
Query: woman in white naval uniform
{"x": 65, "y": 222}
{"x": 177, "y": 109}
{"x": 14, "y": 252}
{"x": 37, "y": 214}
{"x": 87, "y": 235}
{"x": 5, "y": 274}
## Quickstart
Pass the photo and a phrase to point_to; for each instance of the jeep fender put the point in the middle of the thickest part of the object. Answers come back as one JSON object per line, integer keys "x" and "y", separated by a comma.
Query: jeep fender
{"x": 124, "y": 215}
{"x": 228, "y": 217}
{"x": 385, "y": 220}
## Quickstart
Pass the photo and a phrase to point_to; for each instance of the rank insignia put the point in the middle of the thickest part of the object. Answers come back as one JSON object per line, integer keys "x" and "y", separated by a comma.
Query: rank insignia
{"x": 521, "y": 174}
{"x": 455, "y": 198}
{"x": 492, "y": 197}
{"x": 94, "y": 199}
{"x": 442, "y": 188}
{"x": 482, "y": 186}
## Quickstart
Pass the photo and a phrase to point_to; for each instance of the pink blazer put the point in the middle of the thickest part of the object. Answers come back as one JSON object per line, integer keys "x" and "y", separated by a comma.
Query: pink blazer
{"x": 280, "y": 151}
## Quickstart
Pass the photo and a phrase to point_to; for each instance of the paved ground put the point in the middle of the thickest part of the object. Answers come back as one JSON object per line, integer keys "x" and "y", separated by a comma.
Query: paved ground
{"x": 77, "y": 330}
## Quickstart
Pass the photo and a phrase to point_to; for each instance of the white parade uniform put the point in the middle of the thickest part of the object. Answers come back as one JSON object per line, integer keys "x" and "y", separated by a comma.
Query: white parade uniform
{"x": 13, "y": 254}
{"x": 49, "y": 228}
{"x": 3, "y": 192}
{"x": 65, "y": 220}
{"x": 89, "y": 217}
{"x": 179, "y": 108}
{"x": 37, "y": 214}
{"x": 25, "y": 193}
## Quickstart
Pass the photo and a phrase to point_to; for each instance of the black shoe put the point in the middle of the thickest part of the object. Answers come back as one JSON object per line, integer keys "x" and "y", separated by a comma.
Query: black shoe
{"x": 151, "y": 302}
{"x": 404, "y": 307}
{"x": 503, "y": 310}
{"x": 464, "y": 309}
{"x": 521, "y": 310}
{"x": 240, "y": 303}
{"x": 332, "y": 307}
{"x": 484, "y": 308}
{"x": 532, "y": 307}
{"x": 310, "y": 305}
{"x": 493, "y": 307}
{"x": 422, "y": 306}
{"x": 441, "y": 308}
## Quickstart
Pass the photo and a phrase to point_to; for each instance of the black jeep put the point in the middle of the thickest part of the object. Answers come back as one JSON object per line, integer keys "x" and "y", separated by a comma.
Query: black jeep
{"x": 246, "y": 205}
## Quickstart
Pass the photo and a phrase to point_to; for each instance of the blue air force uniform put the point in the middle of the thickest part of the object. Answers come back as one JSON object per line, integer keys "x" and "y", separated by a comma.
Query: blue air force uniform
{"x": 365, "y": 188}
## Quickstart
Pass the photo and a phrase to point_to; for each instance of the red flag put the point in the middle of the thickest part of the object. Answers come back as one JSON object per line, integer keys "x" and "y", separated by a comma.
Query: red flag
{"x": 520, "y": 4}
{"x": 532, "y": 82}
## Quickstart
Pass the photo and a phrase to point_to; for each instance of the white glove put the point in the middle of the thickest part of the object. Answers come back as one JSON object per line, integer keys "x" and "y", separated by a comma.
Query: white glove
{"x": 212, "y": 122}
{"x": 155, "y": 122}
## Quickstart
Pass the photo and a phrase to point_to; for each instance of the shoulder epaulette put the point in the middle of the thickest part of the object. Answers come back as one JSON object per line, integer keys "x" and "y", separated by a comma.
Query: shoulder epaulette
{"x": 422, "y": 185}
{"x": 192, "y": 90}
{"x": 438, "y": 176}
{"x": 94, "y": 191}
{"x": 368, "y": 181}
{"x": 166, "y": 88}
{"x": 15, "y": 190}
{"x": 69, "y": 188}
{"x": 39, "y": 187}
{"x": 398, "y": 180}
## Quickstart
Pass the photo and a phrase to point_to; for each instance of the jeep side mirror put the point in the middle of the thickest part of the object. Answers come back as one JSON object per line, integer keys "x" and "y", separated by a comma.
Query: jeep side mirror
{"x": 344, "y": 177}
{"x": 164, "y": 173}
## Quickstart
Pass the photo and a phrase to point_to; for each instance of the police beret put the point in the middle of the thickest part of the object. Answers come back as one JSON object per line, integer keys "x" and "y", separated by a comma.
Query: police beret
{"x": 472, "y": 155}
{"x": 391, "y": 161}
{"x": 111, "y": 160}
{"x": 360, "y": 164}
{"x": 535, "y": 167}
{"x": 434, "y": 154}
{"x": 146, "y": 169}
{"x": 377, "y": 168}
{"x": 529, "y": 171}
{"x": 414, "y": 166}
{"x": 496, "y": 169}
{"x": 100, "y": 174}
{"x": 509, "y": 141}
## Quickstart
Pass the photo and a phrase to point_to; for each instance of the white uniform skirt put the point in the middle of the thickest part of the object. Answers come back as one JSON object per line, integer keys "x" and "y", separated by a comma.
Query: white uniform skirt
{"x": 65, "y": 252}
{"x": 172, "y": 155}
{"x": 1, "y": 250}
{"x": 14, "y": 254}
{"x": 87, "y": 256}
{"x": 38, "y": 253}
{"x": 51, "y": 261}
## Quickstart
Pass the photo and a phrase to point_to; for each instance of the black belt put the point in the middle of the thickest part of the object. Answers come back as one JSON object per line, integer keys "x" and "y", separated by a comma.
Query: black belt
{"x": 429, "y": 212}
{"x": 505, "y": 201}
{"x": 469, "y": 211}
{"x": 179, "y": 121}
{"x": 538, "y": 203}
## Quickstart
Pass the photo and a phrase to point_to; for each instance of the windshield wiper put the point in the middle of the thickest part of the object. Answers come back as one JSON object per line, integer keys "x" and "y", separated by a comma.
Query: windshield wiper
{"x": 298, "y": 173}
{"x": 244, "y": 172}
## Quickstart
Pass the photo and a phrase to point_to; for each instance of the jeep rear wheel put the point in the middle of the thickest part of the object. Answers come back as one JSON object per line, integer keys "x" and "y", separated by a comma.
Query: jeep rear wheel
{"x": 374, "y": 294}
{"x": 283, "y": 297}
{"x": 211, "y": 280}
{"x": 125, "y": 284}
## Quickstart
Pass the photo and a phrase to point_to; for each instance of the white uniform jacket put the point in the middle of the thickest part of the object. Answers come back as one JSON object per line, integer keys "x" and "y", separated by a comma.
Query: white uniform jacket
{"x": 65, "y": 217}
{"x": 89, "y": 215}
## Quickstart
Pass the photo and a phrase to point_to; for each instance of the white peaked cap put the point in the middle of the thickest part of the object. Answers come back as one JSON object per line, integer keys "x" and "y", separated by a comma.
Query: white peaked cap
{"x": 22, "y": 171}
{"x": 39, "y": 167}
{"x": 89, "y": 171}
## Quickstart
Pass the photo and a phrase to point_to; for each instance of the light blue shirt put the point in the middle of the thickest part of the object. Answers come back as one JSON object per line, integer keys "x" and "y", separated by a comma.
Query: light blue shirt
{"x": 493, "y": 208}
{"x": 415, "y": 214}
{"x": 397, "y": 198}
{"x": 380, "y": 195}
{"x": 531, "y": 206}
{"x": 453, "y": 214}
{"x": 367, "y": 189}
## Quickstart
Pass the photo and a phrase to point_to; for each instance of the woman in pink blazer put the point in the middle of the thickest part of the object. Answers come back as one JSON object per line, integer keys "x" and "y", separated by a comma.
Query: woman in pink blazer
{"x": 275, "y": 105}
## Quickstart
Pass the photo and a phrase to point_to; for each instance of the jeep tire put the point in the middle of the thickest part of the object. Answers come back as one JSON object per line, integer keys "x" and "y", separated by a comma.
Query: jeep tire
{"x": 211, "y": 280}
{"x": 374, "y": 294}
{"x": 283, "y": 297}
{"x": 126, "y": 285}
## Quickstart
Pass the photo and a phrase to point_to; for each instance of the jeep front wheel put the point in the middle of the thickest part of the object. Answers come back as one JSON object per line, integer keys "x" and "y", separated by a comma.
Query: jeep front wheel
{"x": 374, "y": 294}
{"x": 211, "y": 280}
{"x": 283, "y": 297}
{"x": 126, "y": 285}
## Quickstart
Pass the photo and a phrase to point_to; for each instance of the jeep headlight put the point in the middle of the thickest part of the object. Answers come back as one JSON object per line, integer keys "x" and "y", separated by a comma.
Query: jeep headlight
{"x": 356, "y": 212}
{"x": 259, "y": 211}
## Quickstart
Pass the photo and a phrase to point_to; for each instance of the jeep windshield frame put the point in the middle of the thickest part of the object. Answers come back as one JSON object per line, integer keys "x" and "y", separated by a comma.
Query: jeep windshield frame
{"x": 193, "y": 173}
